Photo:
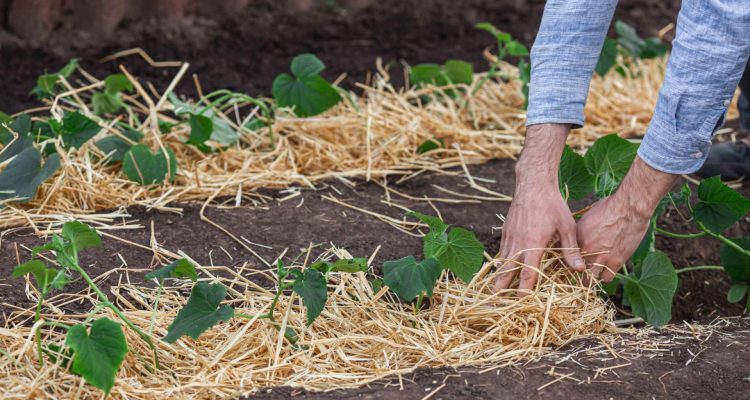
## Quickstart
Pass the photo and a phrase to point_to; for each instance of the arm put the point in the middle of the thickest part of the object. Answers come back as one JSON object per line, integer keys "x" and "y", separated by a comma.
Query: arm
{"x": 708, "y": 58}
{"x": 563, "y": 59}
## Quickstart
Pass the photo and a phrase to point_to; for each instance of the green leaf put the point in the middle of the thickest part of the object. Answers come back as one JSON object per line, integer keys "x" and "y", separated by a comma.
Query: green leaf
{"x": 80, "y": 235}
{"x": 737, "y": 292}
{"x": 436, "y": 225}
{"x": 202, "y": 311}
{"x": 574, "y": 179}
{"x": 46, "y": 85}
{"x": 646, "y": 246}
{"x": 116, "y": 147}
{"x": 628, "y": 38}
{"x": 607, "y": 58}
{"x": 306, "y": 91}
{"x": 650, "y": 289}
{"x": 516, "y": 49}
{"x": 736, "y": 263}
{"x": 181, "y": 268}
{"x": 608, "y": 160}
{"x": 42, "y": 275}
{"x": 499, "y": 35}
{"x": 376, "y": 284}
{"x": 106, "y": 103}
{"x": 307, "y": 66}
{"x": 653, "y": 47}
{"x": 459, "y": 251}
{"x": 15, "y": 148}
{"x": 98, "y": 354}
{"x": 23, "y": 175}
{"x": 430, "y": 144}
{"x": 117, "y": 83}
{"x": 524, "y": 76}
{"x": 222, "y": 133}
{"x": 200, "y": 129}
{"x": 720, "y": 206}
{"x": 313, "y": 289}
{"x": 77, "y": 129}
{"x": 408, "y": 279}
{"x": 454, "y": 72}
{"x": 146, "y": 168}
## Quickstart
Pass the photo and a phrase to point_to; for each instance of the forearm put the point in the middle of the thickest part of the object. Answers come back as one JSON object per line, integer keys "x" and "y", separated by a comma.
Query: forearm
{"x": 708, "y": 57}
{"x": 563, "y": 59}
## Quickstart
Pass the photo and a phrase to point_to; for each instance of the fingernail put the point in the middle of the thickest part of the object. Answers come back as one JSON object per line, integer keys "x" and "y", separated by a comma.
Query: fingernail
{"x": 579, "y": 264}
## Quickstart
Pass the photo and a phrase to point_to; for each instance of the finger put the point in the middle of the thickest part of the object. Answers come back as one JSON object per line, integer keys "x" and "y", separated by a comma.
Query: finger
{"x": 508, "y": 272}
{"x": 609, "y": 272}
{"x": 592, "y": 274}
{"x": 529, "y": 274}
{"x": 571, "y": 252}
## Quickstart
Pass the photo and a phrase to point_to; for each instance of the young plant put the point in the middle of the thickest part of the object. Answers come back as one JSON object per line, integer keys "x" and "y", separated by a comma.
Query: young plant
{"x": 109, "y": 100}
{"x": 454, "y": 249}
{"x": 650, "y": 282}
{"x": 48, "y": 86}
{"x": 453, "y": 72}
{"x": 305, "y": 90}
{"x": 507, "y": 46}
{"x": 630, "y": 45}
{"x": 97, "y": 346}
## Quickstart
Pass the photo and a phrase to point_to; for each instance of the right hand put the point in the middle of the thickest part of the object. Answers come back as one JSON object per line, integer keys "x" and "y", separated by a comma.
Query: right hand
{"x": 538, "y": 213}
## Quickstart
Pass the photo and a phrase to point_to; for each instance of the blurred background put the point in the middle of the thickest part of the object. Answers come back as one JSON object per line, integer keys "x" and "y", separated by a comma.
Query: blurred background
{"x": 243, "y": 44}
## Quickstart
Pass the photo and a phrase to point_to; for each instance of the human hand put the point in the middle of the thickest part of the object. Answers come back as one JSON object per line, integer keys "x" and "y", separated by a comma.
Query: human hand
{"x": 614, "y": 227}
{"x": 538, "y": 212}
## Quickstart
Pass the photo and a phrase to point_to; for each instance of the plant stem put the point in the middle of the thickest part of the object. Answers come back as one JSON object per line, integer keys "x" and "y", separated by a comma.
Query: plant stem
{"x": 700, "y": 268}
{"x": 153, "y": 309}
{"x": 106, "y": 303}
{"x": 679, "y": 235}
{"x": 724, "y": 239}
{"x": 38, "y": 312}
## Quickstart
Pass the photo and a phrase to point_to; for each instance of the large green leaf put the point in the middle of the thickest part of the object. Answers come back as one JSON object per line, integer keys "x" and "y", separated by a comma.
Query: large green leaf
{"x": 408, "y": 279}
{"x": 15, "y": 147}
{"x": 650, "y": 289}
{"x": 306, "y": 91}
{"x": 608, "y": 160}
{"x": 80, "y": 235}
{"x": 77, "y": 129}
{"x": 719, "y": 206}
{"x": 574, "y": 179}
{"x": 458, "y": 251}
{"x": 313, "y": 289}
{"x": 453, "y": 72}
{"x": 736, "y": 263}
{"x": 202, "y": 311}
{"x": 607, "y": 58}
{"x": 181, "y": 268}
{"x": 116, "y": 147}
{"x": 628, "y": 38}
{"x": 142, "y": 166}
{"x": 23, "y": 175}
{"x": 98, "y": 354}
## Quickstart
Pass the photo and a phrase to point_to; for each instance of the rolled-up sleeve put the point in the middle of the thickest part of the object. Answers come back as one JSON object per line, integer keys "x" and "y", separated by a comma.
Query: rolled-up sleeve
{"x": 708, "y": 58}
{"x": 563, "y": 59}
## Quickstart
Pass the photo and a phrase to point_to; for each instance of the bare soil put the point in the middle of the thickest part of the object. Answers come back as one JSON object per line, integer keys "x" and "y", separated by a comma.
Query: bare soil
{"x": 245, "y": 52}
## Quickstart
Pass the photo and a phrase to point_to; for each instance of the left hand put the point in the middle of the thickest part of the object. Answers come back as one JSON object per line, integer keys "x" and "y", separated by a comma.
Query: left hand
{"x": 614, "y": 227}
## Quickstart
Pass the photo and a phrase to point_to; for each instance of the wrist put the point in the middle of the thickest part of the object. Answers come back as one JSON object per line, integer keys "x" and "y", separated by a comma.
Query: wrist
{"x": 540, "y": 159}
{"x": 643, "y": 188}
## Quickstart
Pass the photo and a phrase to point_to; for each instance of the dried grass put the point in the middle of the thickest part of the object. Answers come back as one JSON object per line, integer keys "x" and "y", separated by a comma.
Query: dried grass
{"x": 361, "y": 337}
{"x": 372, "y": 136}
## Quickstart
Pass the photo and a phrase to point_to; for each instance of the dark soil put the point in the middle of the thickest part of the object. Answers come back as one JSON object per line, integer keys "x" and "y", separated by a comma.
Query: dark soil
{"x": 695, "y": 369}
{"x": 308, "y": 218}
{"x": 246, "y": 52}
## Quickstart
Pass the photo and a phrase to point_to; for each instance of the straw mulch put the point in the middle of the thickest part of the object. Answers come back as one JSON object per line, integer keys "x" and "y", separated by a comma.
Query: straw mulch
{"x": 361, "y": 336}
{"x": 375, "y": 134}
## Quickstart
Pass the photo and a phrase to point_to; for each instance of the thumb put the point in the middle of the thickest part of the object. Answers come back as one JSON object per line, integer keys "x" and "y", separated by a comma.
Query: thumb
{"x": 571, "y": 252}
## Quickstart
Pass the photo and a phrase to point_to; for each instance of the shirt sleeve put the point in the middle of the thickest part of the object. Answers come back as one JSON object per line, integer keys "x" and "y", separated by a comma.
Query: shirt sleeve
{"x": 708, "y": 58}
{"x": 563, "y": 59}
